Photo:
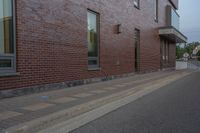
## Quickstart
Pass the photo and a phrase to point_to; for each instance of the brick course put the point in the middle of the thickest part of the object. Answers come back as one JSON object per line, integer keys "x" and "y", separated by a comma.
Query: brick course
{"x": 52, "y": 40}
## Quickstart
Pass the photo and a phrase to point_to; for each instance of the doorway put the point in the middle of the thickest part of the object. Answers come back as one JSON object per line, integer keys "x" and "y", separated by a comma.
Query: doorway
{"x": 137, "y": 50}
{"x": 164, "y": 53}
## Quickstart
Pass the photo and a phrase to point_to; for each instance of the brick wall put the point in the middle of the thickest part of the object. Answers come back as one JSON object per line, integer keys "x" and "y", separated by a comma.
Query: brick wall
{"x": 52, "y": 40}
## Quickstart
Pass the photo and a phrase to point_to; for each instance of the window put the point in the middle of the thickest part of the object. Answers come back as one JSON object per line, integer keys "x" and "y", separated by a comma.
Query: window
{"x": 7, "y": 37}
{"x": 173, "y": 18}
{"x": 93, "y": 39}
{"x": 136, "y": 3}
{"x": 156, "y": 10}
{"x": 165, "y": 51}
{"x": 137, "y": 50}
{"x": 137, "y": 36}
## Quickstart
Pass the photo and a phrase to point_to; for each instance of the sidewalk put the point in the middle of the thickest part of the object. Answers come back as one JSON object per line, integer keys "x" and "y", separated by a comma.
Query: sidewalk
{"x": 37, "y": 112}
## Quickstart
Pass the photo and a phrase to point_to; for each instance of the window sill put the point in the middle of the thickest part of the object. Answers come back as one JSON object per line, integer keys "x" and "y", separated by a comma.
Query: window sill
{"x": 9, "y": 74}
{"x": 94, "y": 69}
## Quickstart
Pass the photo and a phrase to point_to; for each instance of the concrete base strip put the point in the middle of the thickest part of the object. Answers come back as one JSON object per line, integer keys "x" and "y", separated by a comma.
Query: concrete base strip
{"x": 77, "y": 116}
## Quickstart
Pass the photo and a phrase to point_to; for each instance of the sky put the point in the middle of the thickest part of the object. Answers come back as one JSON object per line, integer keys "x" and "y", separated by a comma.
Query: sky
{"x": 189, "y": 11}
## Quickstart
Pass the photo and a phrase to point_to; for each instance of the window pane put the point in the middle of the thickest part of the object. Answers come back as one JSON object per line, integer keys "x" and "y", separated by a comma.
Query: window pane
{"x": 1, "y": 28}
{"x": 92, "y": 62}
{"x": 156, "y": 10}
{"x": 175, "y": 19}
{"x": 6, "y": 27}
{"x": 163, "y": 50}
{"x": 5, "y": 63}
{"x": 92, "y": 35}
{"x": 137, "y": 49}
{"x": 166, "y": 51}
{"x": 137, "y": 36}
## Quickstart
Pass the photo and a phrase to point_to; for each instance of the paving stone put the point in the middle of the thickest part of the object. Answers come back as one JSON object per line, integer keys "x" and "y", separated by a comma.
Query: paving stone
{"x": 121, "y": 85}
{"x": 64, "y": 100}
{"x": 110, "y": 88}
{"x": 8, "y": 114}
{"x": 38, "y": 106}
{"x": 129, "y": 83}
{"x": 83, "y": 95}
{"x": 98, "y": 91}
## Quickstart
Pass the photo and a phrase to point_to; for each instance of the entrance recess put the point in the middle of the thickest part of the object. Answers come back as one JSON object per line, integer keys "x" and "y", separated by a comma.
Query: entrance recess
{"x": 137, "y": 50}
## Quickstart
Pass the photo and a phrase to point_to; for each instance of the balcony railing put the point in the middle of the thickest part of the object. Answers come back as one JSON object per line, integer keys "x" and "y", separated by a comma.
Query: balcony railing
{"x": 173, "y": 19}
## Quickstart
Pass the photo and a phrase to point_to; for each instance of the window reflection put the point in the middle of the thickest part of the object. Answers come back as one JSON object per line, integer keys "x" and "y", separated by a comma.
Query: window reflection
{"x": 92, "y": 38}
{"x": 174, "y": 19}
{"x": 156, "y": 10}
{"x": 6, "y": 27}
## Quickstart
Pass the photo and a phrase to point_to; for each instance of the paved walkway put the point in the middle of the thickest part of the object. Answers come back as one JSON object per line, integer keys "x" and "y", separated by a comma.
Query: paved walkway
{"x": 15, "y": 111}
{"x": 173, "y": 108}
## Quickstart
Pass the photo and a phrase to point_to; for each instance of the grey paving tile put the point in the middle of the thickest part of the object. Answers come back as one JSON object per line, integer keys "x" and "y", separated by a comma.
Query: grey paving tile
{"x": 129, "y": 83}
{"x": 64, "y": 100}
{"x": 110, "y": 88}
{"x": 38, "y": 106}
{"x": 8, "y": 114}
{"x": 98, "y": 91}
{"x": 83, "y": 95}
{"x": 121, "y": 85}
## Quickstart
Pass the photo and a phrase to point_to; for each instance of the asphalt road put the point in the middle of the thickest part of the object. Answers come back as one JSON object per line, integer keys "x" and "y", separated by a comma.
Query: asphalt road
{"x": 174, "y": 108}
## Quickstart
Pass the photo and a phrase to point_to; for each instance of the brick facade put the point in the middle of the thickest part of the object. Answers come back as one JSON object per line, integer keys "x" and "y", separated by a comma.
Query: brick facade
{"x": 52, "y": 40}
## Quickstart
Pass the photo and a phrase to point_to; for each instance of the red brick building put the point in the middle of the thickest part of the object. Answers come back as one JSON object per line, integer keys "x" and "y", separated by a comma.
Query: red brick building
{"x": 59, "y": 41}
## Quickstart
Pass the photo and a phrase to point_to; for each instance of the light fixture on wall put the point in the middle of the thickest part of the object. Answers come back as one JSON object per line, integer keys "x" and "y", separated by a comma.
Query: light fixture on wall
{"x": 119, "y": 28}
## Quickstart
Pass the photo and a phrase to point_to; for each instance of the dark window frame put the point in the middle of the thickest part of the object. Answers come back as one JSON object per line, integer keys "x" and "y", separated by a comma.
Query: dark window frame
{"x": 10, "y": 70}
{"x": 156, "y": 12}
{"x": 97, "y": 59}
